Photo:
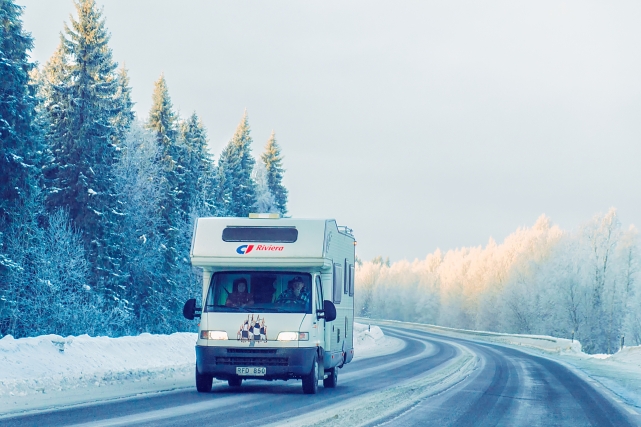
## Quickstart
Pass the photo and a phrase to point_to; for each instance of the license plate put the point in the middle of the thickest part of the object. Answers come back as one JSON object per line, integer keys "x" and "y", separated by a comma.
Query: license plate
{"x": 253, "y": 371}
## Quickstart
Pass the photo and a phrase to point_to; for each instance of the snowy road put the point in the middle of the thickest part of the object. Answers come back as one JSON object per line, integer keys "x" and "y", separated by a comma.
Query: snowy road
{"x": 434, "y": 380}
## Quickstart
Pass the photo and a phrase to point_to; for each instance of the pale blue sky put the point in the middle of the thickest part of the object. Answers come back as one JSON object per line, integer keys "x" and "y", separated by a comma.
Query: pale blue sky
{"x": 418, "y": 124}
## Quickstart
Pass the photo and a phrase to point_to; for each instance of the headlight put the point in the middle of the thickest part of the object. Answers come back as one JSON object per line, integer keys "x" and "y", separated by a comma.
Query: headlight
{"x": 213, "y": 335}
{"x": 293, "y": 336}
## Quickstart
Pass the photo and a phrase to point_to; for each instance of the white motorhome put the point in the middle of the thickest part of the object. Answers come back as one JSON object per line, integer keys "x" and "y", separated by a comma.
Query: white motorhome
{"x": 278, "y": 300}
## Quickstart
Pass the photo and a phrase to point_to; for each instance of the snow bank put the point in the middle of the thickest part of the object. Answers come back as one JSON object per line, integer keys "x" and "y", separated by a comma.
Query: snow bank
{"x": 367, "y": 337}
{"x": 50, "y": 370}
{"x": 628, "y": 355}
{"x": 543, "y": 343}
{"x": 50, "y": 363}
{"x": 369, "y": 341}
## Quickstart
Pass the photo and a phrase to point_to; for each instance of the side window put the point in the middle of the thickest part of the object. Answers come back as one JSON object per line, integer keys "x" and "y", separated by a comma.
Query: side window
{"x": 319, "y": 294}
{"x": 345, "y": 326}
{"x": 351, "y": 280}
{"x": 338, "y": 283}
{"x": 346, "y": 279}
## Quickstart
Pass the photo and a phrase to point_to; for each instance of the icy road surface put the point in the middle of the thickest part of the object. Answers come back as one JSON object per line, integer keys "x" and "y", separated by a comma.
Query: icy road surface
{"x": 432, "y": 380}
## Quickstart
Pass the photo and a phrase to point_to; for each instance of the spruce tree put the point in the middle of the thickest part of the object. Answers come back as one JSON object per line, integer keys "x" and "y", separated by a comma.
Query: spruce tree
{"x": 265, "y": 202}
{"x": 198, "y": 166}
{"x": 162, "y": 118}
{"x": 18, "y": 140}
{"x": 163, "y": 123}
{"x": 237, "y": 192}
{"x": 273, "y": 162}
{"x": 20, "y": 146}
{"x": 82, "y": 108}
{"x": 140, "y": 184}
{"x": 124, "y": 118}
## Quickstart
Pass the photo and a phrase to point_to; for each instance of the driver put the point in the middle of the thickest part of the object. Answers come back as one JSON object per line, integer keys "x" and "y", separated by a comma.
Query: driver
{"x": 239, "y": 296}
{"x": 295, "y": 292}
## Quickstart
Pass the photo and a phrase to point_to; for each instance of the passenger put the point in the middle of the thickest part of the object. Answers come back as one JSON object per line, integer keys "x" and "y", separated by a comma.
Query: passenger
{"x": 295, "y": 292}
{"x": 239, "y": 296}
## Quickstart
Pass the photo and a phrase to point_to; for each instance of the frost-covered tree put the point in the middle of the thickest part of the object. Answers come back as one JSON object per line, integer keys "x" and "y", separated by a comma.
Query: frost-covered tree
{"x": 163, "y": 124}
{"x": 581, "y": 284}
{"x": 199, "y": 181}
{"x": 273, "y": 161}
{"x": 601, "y": 235}
{"x": 19, "y": 142}
{"x": 176, "y": 271}
{"x": 140, "y": 191}
{"x": 265, "y": 202}
{"x": 125, "y": 117}
{"x": 236, "y": 188}
{"x": 82, "y": 105}
{"x": 163, "y": 120}
{"x": 630, "y": 287}
{"x": 49, "y": 291}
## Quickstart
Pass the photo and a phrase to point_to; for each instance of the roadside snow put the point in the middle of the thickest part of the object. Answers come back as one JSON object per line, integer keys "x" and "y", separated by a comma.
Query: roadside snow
{"x": 51, "y": 371}
{"x": 369, "y": 341}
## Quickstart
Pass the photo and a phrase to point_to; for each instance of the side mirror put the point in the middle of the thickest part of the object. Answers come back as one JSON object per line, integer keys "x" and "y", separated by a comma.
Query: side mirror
{"x": 329, "y": 311}
{"x": 190, "y": 310}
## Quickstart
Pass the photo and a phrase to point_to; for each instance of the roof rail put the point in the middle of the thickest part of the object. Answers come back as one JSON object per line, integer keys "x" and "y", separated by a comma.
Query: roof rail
{"x": 345, "y": 230}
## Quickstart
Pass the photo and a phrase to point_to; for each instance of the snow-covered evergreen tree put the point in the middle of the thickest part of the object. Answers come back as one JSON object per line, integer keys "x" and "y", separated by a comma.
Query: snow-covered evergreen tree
{"x": 125, "y": 117}
{"x": 265, "y": 202}
{"x": 163, "y": 123}
{"x": 199, "y": 178}
{"x": 273, "y": 162}
{"x": 82, "y": 106}
{"x": 236, "y": 191}
{"x": 19, "y": 143}
{"x": 48, "y": 291}
{"x": 140, "y": 189}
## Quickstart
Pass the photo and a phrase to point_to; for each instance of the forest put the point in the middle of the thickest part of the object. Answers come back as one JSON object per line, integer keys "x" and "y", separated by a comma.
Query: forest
{"x": 97, "y": 205}
{"x": 541, "y": 280}
{"x": 97, "y": 208}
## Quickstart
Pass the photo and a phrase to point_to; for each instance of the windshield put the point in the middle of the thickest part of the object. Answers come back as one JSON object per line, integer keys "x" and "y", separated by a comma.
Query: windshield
{"x": 259, "y": 292}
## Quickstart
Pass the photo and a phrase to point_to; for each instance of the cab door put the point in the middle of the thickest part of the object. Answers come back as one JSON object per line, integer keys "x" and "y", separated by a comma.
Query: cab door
{"x": 319, "y": 330}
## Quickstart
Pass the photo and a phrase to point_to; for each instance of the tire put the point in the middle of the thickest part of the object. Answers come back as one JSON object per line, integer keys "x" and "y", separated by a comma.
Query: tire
{"x": 203, "y": 382}
{"x": 310, "y": 381}
{"x": 235, "y": 382}
{"x": 332, "y": 379}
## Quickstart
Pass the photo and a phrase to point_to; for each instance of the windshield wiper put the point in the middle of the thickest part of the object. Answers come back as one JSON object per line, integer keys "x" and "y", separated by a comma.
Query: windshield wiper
{"x": 227, "y": 308}
{"x": 266, "y": 309}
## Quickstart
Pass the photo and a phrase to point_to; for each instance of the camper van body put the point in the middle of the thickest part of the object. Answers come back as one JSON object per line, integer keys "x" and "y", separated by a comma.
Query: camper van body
{"x": 268, "y": 336}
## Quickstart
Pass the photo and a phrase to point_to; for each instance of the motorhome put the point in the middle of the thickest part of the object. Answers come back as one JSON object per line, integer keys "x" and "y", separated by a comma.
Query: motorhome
{"x": 277, "y": 300}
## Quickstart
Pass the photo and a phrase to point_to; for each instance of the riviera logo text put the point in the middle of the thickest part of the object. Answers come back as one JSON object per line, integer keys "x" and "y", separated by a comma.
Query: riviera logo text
{"x": 245, "y": 249}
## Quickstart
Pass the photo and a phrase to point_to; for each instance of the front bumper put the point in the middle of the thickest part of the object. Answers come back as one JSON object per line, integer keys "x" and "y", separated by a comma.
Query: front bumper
{"x": 280, "y": 363}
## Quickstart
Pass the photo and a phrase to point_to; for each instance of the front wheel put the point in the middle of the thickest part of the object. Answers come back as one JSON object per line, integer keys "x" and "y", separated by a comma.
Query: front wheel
{"x": 203, "y": 382}
{"x": 332, "y": 379}
{"x": 310, "y": 381}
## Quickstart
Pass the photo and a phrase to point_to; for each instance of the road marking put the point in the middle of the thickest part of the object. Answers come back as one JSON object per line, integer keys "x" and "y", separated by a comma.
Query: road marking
{"x": 159, "y": 414}
{"x": 380, "y": 404}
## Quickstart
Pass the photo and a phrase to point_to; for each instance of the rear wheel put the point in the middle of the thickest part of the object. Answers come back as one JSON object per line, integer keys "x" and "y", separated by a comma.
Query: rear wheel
{"x": 310, "y": 381}
{"x": 203, "y": 382}
{"x": 235, "y": 382}
{"x": 332, "y": 378}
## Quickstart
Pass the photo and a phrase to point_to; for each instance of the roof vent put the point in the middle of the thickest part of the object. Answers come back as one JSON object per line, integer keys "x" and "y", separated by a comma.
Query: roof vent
{"x": 264, "y": 215}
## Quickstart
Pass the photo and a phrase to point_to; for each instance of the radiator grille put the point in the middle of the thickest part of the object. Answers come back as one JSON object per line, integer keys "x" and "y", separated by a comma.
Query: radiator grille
{"x": 253, "y": 361}
{"x": 252, "y": 350}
